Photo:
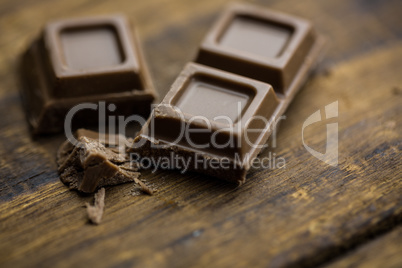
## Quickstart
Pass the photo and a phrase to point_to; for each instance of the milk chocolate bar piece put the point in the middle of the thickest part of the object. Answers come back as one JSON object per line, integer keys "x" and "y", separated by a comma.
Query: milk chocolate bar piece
{"x": 258, "y": 43}
{"x": 204, "y": 117}
{"x": 219, "y": 116}
{"x": 79, "y": 61}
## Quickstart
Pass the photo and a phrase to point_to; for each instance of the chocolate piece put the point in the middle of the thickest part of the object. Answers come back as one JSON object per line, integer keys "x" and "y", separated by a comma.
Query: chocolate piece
{"x": 219, "y": 121}
{"x": 258, "y": 43}
{"x": 89, "y": 164}
{"x": 189, "y": 121}
{"x": 115, "y": 142}
{"x": 145, "y": 189}
{"x": 84, "y": 60}
{"x": 95, "y": 212}
{"x": 208, "y": 94}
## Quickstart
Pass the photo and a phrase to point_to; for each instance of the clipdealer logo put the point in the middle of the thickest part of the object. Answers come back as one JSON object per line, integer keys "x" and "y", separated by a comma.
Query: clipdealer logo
{"x": 330, "y": 156}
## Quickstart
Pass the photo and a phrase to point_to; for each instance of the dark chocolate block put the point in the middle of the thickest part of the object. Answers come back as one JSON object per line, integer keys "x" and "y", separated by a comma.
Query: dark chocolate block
{"x": 258, "y": 43}
{"x": 84, "y": 60}
{"x": 219, "y": 116}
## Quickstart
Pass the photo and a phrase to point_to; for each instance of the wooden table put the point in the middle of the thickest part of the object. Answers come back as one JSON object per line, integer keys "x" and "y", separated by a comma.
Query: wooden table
{"x": 306, "y": 214}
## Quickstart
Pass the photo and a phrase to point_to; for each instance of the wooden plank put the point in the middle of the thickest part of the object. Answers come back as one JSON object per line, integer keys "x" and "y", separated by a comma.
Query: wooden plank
{"x": 384, "y": 251}
{"x": 304, "y": 214}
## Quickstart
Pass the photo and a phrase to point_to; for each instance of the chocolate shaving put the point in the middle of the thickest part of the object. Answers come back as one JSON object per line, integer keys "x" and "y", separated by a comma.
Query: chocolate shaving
{"x": 95, "y": 212}
{"x": 94, "y": 163}
{"x": 144, "y": 188}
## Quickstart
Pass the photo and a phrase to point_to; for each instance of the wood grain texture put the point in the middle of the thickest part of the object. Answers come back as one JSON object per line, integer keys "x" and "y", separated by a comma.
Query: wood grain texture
{"x": 305, "y": 214}
{"x": 384, "y": 250}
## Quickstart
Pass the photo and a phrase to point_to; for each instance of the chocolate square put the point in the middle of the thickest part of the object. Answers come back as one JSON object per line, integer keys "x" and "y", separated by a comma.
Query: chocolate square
{"x": 84, "y": 60}
{"x": 257, "y": 43}
{"x": 209, "y": 112}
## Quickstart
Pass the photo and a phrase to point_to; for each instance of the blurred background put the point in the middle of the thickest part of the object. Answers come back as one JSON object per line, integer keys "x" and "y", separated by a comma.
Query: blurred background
{"x": 171, "y": 31}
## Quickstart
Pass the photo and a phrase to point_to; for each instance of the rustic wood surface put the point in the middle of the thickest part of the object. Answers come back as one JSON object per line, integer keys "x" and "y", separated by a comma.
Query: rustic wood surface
{"x": 376, "y": 253}
{"x": 305, "y": 214}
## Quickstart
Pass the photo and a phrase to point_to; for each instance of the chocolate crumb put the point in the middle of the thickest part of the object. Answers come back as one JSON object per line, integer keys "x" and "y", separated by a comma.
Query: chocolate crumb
{"x": 95, "y": 212}
{"x": 144, "y": 188}
{"x": 93, "y": 163}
